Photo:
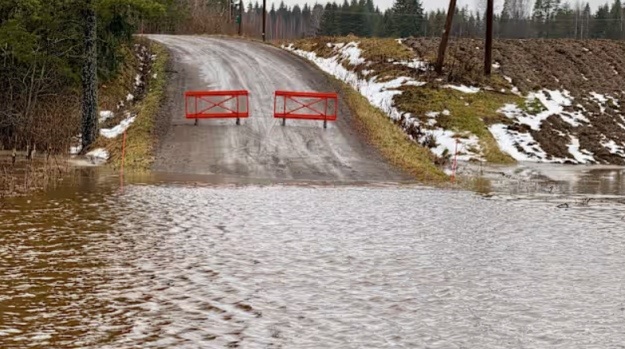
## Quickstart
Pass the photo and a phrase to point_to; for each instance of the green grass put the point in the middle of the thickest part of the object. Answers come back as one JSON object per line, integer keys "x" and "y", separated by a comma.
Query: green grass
{"x": 468, "y": 113}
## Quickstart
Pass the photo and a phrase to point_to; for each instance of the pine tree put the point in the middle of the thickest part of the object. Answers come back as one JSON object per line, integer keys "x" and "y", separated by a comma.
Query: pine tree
{"x": 615, "y": 29}
{"x": 601, "y": 23}
{"x": 407, "y": 18}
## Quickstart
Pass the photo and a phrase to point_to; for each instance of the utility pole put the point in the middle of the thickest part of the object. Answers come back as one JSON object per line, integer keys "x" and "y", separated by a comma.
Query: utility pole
{"x": 264, "y": 17}
{"x": 488, "y": 55}
{"x": 240, "y": 17}
{"x": 443, "y": 46}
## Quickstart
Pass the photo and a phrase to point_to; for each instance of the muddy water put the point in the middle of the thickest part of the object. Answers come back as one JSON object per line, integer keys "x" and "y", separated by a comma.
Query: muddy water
{"x": 377, "y": 266}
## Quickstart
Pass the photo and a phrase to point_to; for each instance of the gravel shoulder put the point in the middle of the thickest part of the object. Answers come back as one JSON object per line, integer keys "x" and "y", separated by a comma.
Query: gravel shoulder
{"x": 260, "y": 147}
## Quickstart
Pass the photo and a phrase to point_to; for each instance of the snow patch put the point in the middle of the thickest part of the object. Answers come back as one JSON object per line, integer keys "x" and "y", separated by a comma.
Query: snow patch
{"x": 414, "y": 64}
{"x": 351, "y": 52}
{"x": 130, "y": 97}
{"x": 105, "y": 115}
{"x": 521, "y": 146}
{"x": 119, "y": 129}
{"x": 582, "y": 156}
{"x": 98, "y": 156}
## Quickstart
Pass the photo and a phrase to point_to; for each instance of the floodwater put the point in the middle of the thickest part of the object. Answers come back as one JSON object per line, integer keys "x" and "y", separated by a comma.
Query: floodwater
{"x": 184, "y": 264}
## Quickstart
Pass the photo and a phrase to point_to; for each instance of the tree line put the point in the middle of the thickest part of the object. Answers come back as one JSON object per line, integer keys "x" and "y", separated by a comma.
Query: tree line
{"x": 518, "y": 19}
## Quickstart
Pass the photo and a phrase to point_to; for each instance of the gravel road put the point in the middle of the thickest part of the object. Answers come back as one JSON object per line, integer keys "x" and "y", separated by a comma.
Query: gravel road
{"x": 260, "y": 148}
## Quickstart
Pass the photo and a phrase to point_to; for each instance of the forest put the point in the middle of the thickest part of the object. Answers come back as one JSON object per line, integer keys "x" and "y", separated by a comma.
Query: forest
{"x": 517, "y": 19}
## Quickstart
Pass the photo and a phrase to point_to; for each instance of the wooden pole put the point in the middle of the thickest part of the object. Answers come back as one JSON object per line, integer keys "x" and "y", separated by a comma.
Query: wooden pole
{"x": 488, "y": 55}
{"x": 240, "y": 17}
{"x": 264, "y": 17}
{"x": 443, "y": 46}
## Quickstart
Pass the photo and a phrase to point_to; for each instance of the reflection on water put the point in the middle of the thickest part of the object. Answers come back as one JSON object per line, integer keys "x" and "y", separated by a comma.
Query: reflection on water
{"x": 532, "y": 178}
{"x": 164, "y": 266}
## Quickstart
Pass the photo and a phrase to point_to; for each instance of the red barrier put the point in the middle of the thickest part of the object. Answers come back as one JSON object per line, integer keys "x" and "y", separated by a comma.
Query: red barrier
{"x": 305, "y": 105}
{"x": 216, "y": 104}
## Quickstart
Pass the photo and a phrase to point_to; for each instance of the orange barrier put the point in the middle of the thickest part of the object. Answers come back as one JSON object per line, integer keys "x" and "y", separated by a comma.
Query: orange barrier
{"x": 216, "y": 104}
{"x": 306, "y": 106}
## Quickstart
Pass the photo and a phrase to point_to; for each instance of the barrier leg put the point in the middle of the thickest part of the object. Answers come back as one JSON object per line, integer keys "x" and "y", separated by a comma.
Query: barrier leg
{"x": 238, "y": 121}
{"x": 283, "y": 122}
{"x": 196, "y": 122}
{"x": 325, "y": 123}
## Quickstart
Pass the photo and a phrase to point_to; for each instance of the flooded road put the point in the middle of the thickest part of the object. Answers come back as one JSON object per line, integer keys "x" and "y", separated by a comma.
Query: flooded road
{"x": 308, "y": 266}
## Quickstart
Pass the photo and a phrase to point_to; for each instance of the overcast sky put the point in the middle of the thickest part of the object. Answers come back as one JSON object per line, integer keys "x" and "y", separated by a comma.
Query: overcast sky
{"x": 429, "y": 4}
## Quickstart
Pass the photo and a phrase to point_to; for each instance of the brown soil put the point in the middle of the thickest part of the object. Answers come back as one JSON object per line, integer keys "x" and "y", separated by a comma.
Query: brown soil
{"x": 581, "y": 67}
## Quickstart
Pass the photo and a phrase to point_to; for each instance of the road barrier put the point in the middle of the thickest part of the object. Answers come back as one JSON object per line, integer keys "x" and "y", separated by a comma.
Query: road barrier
{"x": 306, "y": 106}
{"x": 217, "y": 105}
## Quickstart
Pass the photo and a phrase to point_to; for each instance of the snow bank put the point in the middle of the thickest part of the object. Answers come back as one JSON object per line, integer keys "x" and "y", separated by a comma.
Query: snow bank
{"x": 119, "y": 129}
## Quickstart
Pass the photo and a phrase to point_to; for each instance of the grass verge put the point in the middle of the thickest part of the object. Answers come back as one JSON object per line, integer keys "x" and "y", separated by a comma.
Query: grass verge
{"x": 390, "y": 139}
{"x": 140, "y": 135}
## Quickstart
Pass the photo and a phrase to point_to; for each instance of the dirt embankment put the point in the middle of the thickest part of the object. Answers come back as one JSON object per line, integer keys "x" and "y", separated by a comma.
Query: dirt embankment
{"x": 593, "y": 71}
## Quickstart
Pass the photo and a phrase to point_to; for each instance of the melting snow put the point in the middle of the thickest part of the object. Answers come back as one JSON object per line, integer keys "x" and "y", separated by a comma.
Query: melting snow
{"x": 98, "y": 155}
{"x": 381, "y": 94}
{"x": 510, "y": 141}
{"x": 582, "y": 156}
{"x": 352, "y": 53}
{"x": 496, "y": 65}
{"x": 414, "y": 64}
{"x": 119, "y": 129}
{"x": 130, "y": 97}
{"x": 105, "y": 115}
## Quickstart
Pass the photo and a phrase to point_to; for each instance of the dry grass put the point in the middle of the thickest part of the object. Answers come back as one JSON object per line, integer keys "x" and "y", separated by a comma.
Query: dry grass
{"x": 140, "y": 136}
{"x": 391, "y": 140}
{"x": 25, "y": 176}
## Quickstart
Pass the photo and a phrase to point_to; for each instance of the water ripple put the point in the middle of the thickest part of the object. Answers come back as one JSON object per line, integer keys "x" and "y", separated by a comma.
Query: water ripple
{"x": 305, "y": 267}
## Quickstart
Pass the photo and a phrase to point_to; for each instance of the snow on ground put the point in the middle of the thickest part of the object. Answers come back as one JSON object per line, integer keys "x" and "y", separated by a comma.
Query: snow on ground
{"x": 414, "y": 64}
{"x": 98, "y": 155}
{"x": 119, "y": 129}
{"x": 553, "y": 102}
{"x": 521, "y": 145}
{"x": 613, "y": 147}
{"x": 105, "y": 115}
{"x": 510, "y": 141}
{"x": 381, "y": 94}
{"x": 130, "y": 97}
{"x": 581, "y": 156}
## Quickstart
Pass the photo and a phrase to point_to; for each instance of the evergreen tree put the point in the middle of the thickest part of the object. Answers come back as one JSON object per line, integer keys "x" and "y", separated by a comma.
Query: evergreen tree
{"x": 600, "y": 27}
{"x": 615, "y": 29}
{"x": 406, "y": 17}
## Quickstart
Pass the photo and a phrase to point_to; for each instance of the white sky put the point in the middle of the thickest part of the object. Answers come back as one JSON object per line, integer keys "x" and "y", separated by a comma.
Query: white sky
{"x": 428, "y": 4}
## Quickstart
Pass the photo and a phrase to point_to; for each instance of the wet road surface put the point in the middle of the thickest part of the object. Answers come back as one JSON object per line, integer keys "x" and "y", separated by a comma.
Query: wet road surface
{"x": 307, "y": 266}
{"x": 260, "y": 147}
